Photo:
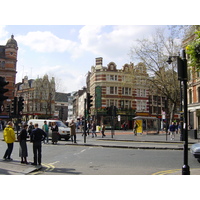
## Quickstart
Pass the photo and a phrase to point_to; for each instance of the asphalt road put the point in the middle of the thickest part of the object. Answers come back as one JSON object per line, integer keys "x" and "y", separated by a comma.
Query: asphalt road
{"x": 70, "y": 159}
{"x": 64, "y": 159}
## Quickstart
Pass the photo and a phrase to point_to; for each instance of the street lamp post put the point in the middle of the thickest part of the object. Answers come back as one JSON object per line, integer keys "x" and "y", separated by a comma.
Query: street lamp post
{"x": 182, "y": 76}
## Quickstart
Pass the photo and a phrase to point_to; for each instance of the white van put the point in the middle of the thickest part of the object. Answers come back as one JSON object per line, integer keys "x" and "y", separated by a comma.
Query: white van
{"x": 63, "y": 130}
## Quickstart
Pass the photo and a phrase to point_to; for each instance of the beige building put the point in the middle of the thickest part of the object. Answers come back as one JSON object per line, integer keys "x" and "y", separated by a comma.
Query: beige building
{"x": 39, "y": 97}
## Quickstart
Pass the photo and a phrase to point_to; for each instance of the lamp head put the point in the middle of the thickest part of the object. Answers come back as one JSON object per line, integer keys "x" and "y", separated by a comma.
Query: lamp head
{"x": 169, "y": 61}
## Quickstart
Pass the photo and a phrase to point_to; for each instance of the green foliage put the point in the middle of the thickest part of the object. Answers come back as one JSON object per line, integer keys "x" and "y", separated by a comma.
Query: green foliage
{"x": 193, "y": 50}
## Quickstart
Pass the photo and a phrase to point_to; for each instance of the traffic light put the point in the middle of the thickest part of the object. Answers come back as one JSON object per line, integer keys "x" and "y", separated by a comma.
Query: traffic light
{"x": 89, "y": 102}
{"x": 14, "y": 107}
{"x": 8, "y": 108}
{"x": 2, "y": 89}
{"x": 20, "y": 105}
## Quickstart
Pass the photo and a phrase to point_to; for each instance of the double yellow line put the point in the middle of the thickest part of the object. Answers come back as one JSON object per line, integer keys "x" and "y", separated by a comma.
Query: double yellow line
{"x": 49, "y": 168}
{"x": 166, "y": 172}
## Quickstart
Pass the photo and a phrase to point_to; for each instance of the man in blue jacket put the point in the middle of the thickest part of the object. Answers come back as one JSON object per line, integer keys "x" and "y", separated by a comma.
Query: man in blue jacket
{"x": 172, "y": 129}
{"x": 37, "y": 136}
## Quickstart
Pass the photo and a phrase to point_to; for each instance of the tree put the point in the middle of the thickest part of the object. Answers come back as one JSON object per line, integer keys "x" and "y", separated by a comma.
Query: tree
{"x": 154, "y": 52}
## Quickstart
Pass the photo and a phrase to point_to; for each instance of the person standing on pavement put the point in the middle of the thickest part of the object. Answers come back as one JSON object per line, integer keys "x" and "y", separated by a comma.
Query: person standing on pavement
{"x": 88, "y": 126}
{"x": 30, "y": 128}
{"x": 23, "y": 152}
{"x": 37, "y": 136}
{"x": 45, "y": 128}
{"x": 54, "y": 129}
{"x": 172, "y": 130}
{"x": 72, "y": 126}
{"x": 103, "y": 130}
{"x": 9, "y": 138}
{"x": 94, "y": 129}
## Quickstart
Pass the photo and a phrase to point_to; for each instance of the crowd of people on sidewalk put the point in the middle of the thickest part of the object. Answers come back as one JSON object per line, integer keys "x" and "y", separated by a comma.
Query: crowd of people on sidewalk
{"x": 36, "y": 136}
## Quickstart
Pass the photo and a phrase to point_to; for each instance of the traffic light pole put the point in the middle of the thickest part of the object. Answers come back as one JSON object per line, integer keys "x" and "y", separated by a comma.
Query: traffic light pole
{"x": 113, "y": 118}
{"x": 185, "y": 168}
{"x": 182, "y": 77}
{"x": 85, "y": 120}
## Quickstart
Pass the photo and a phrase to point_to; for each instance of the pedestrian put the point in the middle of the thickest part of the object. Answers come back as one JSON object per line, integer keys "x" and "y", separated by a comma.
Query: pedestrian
{"x": 9, "y": 138}
{"x": 37, "y": 136}
{"x": 103, "y": 130}
{"x": 23, "y": 152}
{"x": 172, "y": 130}
{"x": 30, "y": 128}
{"x": 88, "y": 128}
{"x": 135, "y": 126}
{"x": 45, "y": 128}
{"x": 94, "y": 129}
{"x": 72, "y": 126}
{"x": 54, "y": 129}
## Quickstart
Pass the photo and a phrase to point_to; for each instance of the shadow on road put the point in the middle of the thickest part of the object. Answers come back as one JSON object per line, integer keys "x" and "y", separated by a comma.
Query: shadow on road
{"x": 64, "y": 171}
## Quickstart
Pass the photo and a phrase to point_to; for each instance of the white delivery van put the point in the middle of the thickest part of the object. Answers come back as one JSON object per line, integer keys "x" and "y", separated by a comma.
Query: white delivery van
{"x": 63, "y": 130}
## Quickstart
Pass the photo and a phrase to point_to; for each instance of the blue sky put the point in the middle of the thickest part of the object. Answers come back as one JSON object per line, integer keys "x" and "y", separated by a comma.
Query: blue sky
{"x": 83, "y": 32}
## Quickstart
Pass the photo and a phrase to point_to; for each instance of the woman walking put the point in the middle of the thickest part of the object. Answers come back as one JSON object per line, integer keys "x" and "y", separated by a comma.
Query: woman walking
{"x": 23, "y": 152}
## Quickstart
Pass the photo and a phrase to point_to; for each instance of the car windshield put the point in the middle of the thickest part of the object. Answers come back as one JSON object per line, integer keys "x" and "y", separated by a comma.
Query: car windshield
{"x": 61, "y": 124}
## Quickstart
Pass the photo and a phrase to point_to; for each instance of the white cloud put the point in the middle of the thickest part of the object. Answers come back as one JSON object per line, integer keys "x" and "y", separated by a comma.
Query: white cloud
{"x": 46, "y": 42}
{"x": 113, "y": 43}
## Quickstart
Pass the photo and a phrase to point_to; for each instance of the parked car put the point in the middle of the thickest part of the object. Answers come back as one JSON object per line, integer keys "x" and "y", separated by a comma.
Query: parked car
{"x": 63, "y": 130}
{"x": 195, "y": 150}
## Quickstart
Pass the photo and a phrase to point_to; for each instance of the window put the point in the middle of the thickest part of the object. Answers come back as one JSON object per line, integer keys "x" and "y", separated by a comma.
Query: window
{"x": 3, "y": 64}
{"x": 141, "y": 92}
{"x": 141, "y": 105}
{"x": 126, "y": 91}
{"x": 112, "y": 78}
{"x": 112, "y": 90}
{"x": 125, "y": 104}
{"x": 111, "y": 102}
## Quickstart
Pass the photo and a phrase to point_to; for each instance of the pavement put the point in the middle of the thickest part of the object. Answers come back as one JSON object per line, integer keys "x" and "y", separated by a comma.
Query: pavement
{"x": 120, "y": 139}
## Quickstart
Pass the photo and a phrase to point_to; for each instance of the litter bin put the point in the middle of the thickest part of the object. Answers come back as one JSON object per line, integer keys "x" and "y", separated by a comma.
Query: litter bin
{"x": 192, "y": 133}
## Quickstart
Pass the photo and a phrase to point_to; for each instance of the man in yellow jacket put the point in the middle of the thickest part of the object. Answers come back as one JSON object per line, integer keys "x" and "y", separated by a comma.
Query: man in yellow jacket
{"x": 9, "y": 138}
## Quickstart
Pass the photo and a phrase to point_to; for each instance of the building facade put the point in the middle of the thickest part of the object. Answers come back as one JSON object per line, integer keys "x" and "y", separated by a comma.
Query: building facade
{"x": 124, "y": 88}
{"x": 193, "y": 91}
{"x": 39, "y": 97}
{"x": 8, "y": 65}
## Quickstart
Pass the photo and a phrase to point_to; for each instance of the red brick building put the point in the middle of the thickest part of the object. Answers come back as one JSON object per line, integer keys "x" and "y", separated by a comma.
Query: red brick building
{"x": 8, "y": 62}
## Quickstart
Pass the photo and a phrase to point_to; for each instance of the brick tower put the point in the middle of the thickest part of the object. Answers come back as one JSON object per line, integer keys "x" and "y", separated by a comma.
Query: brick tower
{"x": 8, "y": 61}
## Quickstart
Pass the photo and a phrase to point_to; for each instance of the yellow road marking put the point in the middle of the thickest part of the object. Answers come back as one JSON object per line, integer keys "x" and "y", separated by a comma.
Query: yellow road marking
{"x": 170, "y": 171}
{"x": 166, "y": 172}
{"x": 49, "y": 167}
